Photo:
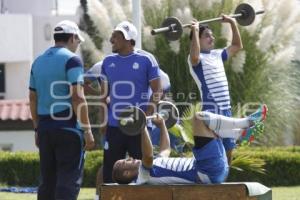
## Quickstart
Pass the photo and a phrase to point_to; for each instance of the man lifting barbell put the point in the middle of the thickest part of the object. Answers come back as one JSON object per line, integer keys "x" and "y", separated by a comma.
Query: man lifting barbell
{"x": 207, "y": 69}
{"x": 209, "y": 163}
{"x": 133, "y": 120}
{"x": 206, "y": 63}
{"x": 173, "y": 28}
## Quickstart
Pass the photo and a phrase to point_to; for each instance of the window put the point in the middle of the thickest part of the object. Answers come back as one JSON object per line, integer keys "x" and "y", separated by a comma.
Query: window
{"x": 2, "y": 81}
{"x": 6, "y": 147}
{"x": 1, "y": 6}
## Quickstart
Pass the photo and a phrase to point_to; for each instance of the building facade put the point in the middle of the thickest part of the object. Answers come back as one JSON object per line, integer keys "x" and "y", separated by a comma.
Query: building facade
{"x": 26, "y": 31}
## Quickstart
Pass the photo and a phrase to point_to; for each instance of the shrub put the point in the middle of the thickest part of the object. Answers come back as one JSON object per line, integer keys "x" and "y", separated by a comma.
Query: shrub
{"x": 282, "y": 166}
{"x": 92, "y": 163}
{"x": 19, "y": 168}
{"x": 22, "y": 169}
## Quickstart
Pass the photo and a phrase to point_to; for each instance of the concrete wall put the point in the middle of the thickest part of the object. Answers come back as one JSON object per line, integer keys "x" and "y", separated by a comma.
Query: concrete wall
{"x": 15, "y": 38}
{"x": 18, "y": 140}
{"x": 43, "y": 32}
{"x": 22, "y": 39}
{"x": 33, "y": 7}
{"x": 40, "y": 7}
{"x": 16, "y": 52}
{"x": 17, "y": 80}
{"x": 26, "y": 32}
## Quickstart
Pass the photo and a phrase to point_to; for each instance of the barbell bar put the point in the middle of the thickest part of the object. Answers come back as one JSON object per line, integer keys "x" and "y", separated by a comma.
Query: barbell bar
{"x": 128, "y": 120}
{"x": 173, "y": 28}
{"x": 132, "y": 120}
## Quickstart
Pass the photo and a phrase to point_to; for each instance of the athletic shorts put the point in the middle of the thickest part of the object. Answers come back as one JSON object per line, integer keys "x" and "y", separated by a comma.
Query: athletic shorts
{"x": 211, "y": 161}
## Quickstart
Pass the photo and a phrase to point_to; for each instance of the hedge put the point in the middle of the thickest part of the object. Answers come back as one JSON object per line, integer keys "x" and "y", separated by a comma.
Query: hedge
{"x": 19, "y": 168}
{"x": 22, "y": 169}
{"x": 282, "y": 167}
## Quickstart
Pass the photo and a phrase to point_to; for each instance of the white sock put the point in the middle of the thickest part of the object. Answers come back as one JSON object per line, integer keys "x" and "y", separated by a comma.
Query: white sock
{"x": 96, "y": 197}
{"x": 219, "y": 122}
{"x": 235, "y": 133}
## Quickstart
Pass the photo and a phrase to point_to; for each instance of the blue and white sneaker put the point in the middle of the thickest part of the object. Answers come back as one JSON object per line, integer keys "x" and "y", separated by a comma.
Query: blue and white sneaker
{"x": 249, "y": 134}
{"x": 259, "y": 115}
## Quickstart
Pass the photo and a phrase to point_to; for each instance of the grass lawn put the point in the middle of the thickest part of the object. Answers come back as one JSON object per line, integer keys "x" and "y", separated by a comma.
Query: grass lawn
{"x": 279, "y": 193}
{"x": 85, "y": 194}
{"x": 286, "y": 193}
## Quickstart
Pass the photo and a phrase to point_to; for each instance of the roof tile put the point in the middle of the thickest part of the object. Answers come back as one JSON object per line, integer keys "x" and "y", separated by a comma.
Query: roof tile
{"x": 15, "y": 110}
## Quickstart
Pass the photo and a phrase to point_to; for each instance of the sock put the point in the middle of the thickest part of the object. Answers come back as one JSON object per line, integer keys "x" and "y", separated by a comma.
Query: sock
{"x": 218, "y": 122}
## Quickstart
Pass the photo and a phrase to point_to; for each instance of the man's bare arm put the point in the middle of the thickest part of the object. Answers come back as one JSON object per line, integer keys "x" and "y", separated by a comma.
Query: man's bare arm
{"x": 236, "y": 43}
{"x": 34, "y": 115}
{"x": 80, "y": 108}
{"x": 164, "y": 142}
{"x": 195, "y": 44}
{"x": 157, "y": 93}
{"x": 147, "y": 149}
{"x": 103, "y": 107}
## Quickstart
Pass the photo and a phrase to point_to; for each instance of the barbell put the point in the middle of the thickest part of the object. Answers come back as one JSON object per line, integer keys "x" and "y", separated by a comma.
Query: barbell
{"x": 132, "y": 119}
{"x": 173, "y": 28}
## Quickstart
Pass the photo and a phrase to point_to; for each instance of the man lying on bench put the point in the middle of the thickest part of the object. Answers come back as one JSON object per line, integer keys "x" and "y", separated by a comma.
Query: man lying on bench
{"x": 209, "y": 163}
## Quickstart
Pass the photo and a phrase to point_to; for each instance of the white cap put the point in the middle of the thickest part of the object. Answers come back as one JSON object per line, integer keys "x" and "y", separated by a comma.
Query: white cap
{"x": 128, "y": 29}
{"x": 67, "y": 26}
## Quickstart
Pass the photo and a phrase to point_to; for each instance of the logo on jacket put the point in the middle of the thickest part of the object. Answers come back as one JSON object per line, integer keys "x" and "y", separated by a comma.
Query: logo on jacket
{"x": 135, "y": 65}
{"x": 112, "y": 65}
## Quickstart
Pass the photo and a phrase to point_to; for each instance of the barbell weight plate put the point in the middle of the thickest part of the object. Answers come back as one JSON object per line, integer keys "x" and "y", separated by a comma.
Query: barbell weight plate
{"x": 139, "y": 121}
{"x": 177, "y": 29}
{"x": 173, "y": 114}
{"x": 248, "y": 14}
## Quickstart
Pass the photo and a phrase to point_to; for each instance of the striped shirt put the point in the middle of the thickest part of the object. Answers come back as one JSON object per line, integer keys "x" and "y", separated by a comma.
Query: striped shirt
{"x": 211, "y": 80}
{"x": 208, "y": 165}
{"x": 167, "y": 170}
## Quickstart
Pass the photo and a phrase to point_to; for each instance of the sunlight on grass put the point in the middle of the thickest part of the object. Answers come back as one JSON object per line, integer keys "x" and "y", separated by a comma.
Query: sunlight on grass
{"x": 286, "y": 193}
{"x": 14, "y": 196}
{"x": 85, "y": 194}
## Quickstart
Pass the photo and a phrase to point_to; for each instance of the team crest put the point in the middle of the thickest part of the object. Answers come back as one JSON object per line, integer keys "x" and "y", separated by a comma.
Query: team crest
{"x": 126, "y": 28}
{"x": 112, "y": 65}
{"x": 135, "y": 65}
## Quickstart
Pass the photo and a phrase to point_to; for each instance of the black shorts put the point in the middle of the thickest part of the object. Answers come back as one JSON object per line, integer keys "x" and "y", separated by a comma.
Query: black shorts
{"x": 116, "y": 146}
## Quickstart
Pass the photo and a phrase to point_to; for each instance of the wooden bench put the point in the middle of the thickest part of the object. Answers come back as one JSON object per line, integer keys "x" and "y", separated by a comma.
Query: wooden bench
{"x": 228, "y": 191}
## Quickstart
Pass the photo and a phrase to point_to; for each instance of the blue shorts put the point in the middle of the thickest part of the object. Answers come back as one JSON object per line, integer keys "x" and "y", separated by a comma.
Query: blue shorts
{"x": 211, "y": 160}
